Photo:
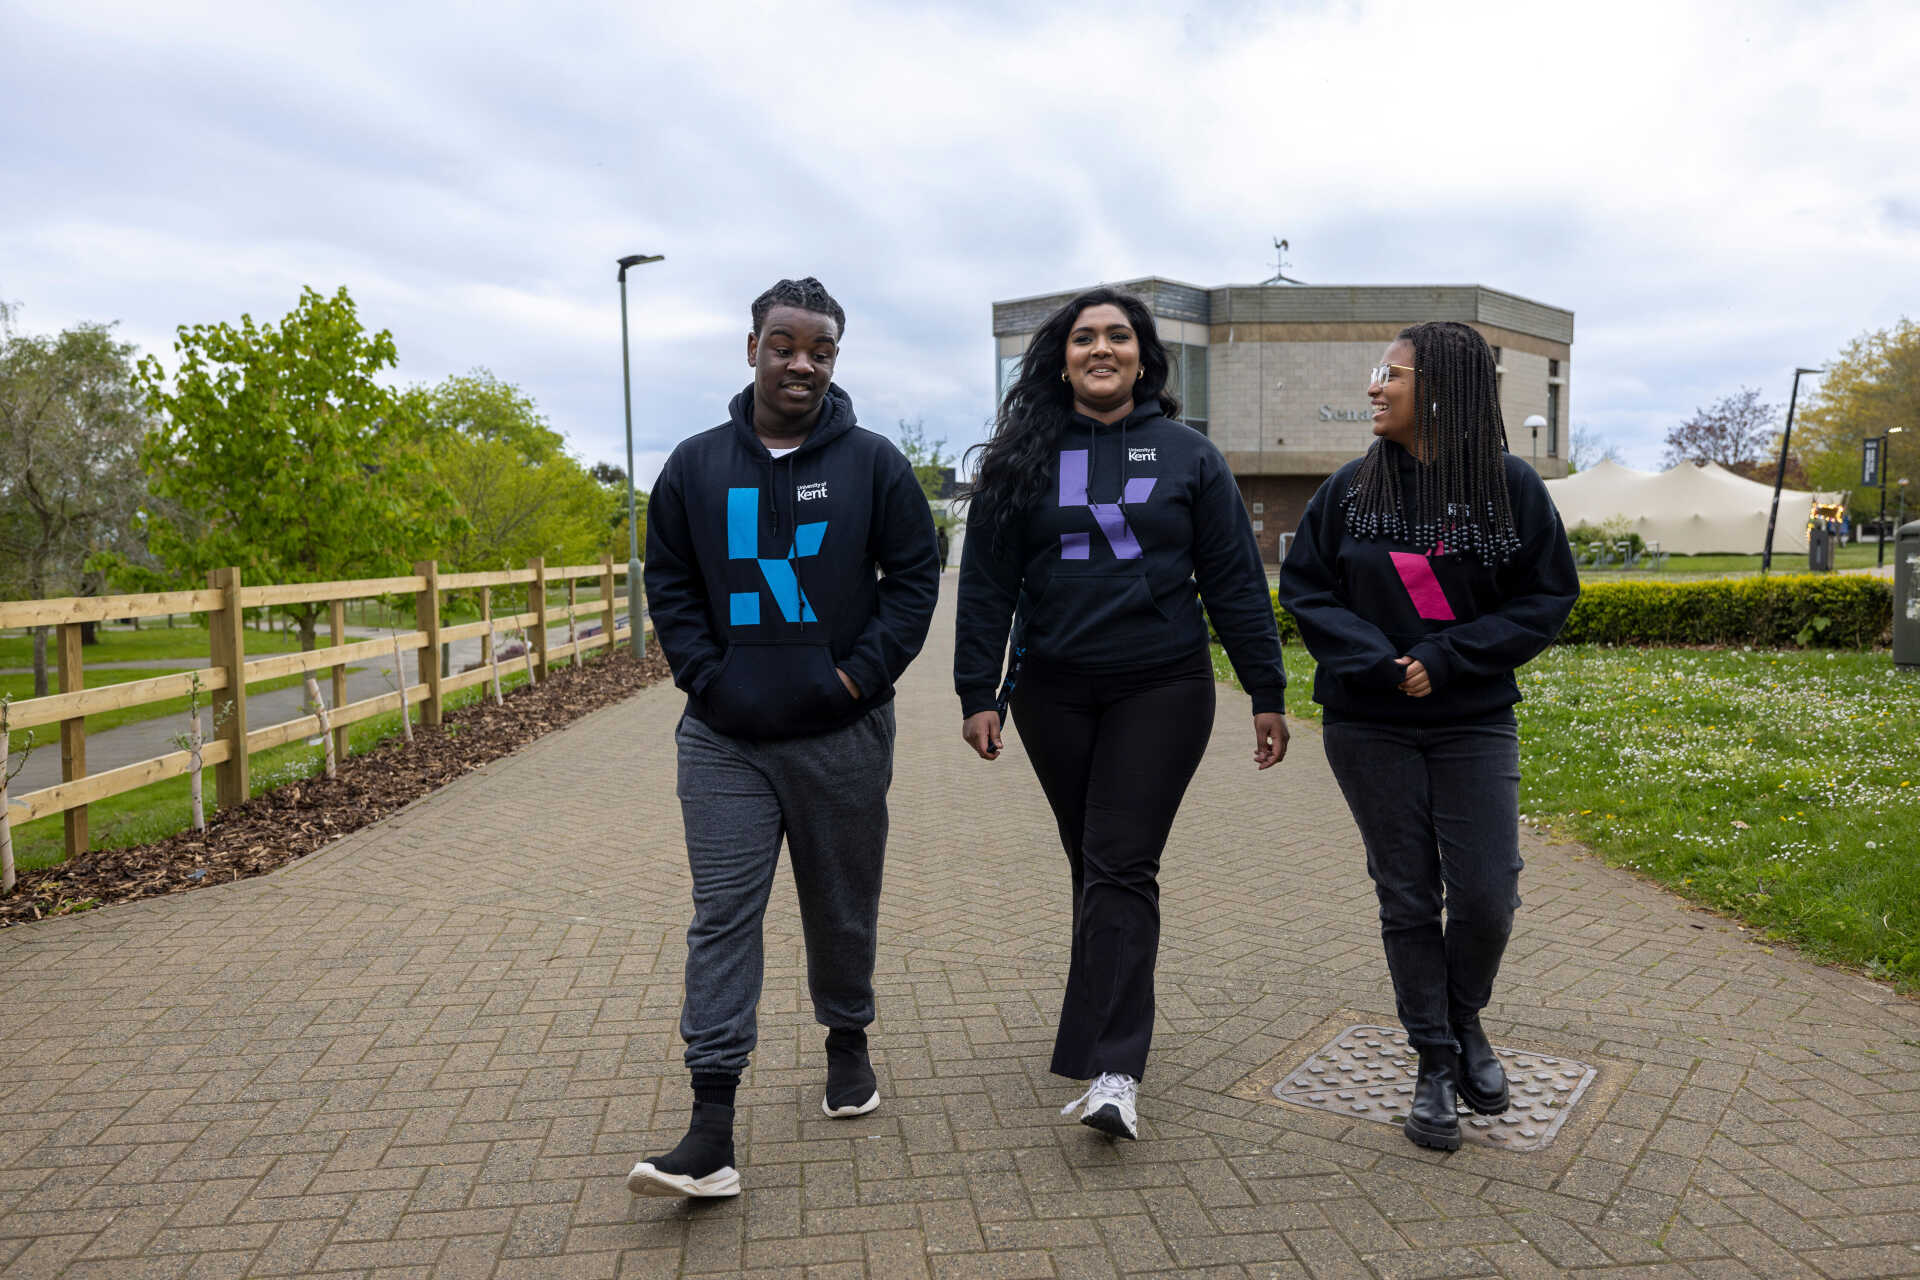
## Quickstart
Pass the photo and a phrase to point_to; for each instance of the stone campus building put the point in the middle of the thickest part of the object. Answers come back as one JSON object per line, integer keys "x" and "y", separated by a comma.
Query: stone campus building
{"x": 1276, "y": 374}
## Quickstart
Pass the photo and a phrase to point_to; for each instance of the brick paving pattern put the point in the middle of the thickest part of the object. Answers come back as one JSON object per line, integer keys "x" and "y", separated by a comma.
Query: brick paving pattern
{"x": 435, "y": 1048}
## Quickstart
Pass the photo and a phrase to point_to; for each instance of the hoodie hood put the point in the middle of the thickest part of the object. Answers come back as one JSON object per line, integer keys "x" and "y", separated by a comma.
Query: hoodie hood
{"x": 835, "y": 420}
{"x": 1138, "y": 417}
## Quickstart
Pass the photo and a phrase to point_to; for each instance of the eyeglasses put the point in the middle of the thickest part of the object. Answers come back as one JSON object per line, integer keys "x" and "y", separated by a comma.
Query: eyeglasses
{"x": 1382, "y": 373}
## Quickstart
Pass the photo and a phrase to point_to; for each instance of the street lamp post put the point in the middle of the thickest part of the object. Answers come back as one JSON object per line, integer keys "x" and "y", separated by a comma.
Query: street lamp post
{"x": 1533, "y": 423}
{"x": 1780, "y": 476}
{"x": 633, "y": 524}
{"x": 1880, "y": 543}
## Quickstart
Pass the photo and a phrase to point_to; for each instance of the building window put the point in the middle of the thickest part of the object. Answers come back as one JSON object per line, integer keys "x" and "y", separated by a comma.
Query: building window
{"x": 1553, "y": 408}
{"x": 1009, "y": 374}
{"x": 1187, "y": 379}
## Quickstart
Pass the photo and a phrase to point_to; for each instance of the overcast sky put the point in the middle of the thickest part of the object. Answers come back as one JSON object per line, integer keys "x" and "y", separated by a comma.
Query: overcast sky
{"x": 1719, "y": 192}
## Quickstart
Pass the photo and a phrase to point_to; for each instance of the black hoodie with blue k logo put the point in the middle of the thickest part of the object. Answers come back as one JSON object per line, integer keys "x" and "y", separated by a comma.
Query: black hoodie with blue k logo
{"x": 764, "y": 574}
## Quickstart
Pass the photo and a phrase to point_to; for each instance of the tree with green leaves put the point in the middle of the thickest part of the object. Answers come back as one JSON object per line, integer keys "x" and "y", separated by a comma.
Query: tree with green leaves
{"x": 297, "y": 464}
{"x": 71, "y": 488}
{"x": 1873, "y": 385}
{"x": 933, "y": 468}
{"x": 520, "y": 493}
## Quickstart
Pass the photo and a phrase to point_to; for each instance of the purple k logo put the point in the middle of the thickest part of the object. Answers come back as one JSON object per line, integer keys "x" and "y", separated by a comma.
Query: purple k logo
{"x": 1073, "y": 493}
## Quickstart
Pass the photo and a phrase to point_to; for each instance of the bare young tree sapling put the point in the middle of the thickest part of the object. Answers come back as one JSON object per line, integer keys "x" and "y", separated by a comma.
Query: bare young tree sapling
{"x": 400, "y": 674}
{"x": 318, "y": 705}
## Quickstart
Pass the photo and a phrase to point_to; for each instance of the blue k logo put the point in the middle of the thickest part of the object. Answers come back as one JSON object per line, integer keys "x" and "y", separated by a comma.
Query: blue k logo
{"x": 743, "y": 543}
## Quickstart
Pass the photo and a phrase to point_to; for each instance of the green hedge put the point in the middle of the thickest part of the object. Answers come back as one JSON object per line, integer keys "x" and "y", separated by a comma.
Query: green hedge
{"x": 1810, "y": 610}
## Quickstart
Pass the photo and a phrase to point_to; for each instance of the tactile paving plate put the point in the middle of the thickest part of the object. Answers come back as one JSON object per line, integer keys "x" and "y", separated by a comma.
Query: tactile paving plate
{"x": 1367, "y": 1073}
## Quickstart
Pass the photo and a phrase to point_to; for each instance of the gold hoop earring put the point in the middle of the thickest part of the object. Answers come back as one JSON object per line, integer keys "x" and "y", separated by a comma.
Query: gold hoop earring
{"x": 1063, "y": 375}
{"x": 1139, "y": 374}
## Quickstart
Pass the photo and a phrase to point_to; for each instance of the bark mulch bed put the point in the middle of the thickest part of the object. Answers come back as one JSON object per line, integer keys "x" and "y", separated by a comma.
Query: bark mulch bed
{"x": 293, "y": 820}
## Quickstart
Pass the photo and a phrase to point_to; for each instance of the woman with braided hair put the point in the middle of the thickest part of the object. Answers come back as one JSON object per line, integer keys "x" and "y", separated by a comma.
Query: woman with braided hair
{"x": 1422, "y": 575}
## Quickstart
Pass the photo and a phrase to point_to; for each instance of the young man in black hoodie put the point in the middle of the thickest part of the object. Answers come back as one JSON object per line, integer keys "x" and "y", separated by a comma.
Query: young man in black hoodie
{"x": 791, "y": 576}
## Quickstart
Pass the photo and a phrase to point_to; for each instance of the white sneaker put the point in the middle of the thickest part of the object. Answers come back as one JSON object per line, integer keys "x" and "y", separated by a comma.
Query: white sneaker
{"x": 1109, "y": 1104}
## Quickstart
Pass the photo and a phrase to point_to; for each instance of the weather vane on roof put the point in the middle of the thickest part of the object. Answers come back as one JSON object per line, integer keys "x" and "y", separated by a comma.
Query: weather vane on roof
{"x": 1280, "y": 265}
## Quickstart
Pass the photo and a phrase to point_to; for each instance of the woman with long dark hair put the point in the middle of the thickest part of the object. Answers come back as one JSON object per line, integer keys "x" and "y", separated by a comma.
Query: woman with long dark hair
{"x": 1422, "y": 575}
{"x": 1102, "y": 521}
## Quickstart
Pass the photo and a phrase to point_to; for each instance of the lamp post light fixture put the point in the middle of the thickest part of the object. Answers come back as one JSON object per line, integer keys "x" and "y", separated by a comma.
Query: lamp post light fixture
{"x": 1880, "y": 543}
{"x": 1780, "y": 476}
{"x": 639, "y": 635}
{"x": 1533, "y": 423}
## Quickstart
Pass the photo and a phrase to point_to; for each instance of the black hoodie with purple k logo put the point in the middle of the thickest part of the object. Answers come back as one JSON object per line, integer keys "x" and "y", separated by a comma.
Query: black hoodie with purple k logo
{"x": 1107, "y": 571}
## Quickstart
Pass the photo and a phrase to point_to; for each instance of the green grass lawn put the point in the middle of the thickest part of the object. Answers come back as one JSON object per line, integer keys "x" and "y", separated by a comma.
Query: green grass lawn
{"x": 153, "y": 642}
{"x": 164, "y": 808}
{"x": 1779, "y": 786}
{"x": 1847, "y": 556}
{"x": 47, "y": 736}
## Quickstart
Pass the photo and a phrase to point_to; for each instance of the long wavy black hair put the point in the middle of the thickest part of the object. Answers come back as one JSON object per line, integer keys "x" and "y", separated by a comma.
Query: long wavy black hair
{"x": 1014, "y": 468}
{"x": 1459, "y": 498}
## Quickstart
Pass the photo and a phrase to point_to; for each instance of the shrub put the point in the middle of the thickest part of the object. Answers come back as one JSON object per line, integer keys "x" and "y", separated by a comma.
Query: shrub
{"x": 1810, "y": 610}
{"x": 1821, "y": 611}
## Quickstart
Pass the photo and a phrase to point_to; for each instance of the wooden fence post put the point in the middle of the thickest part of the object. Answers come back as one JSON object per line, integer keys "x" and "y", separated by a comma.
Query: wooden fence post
{"x": 573, "y": 623}
{"x": 427, "y": 659}
{"x": 73, "y": 735}
{"x": 607, "y": 617}
{"x": 6, "y": 824}
{"x": 227, "y": 631}
{"x": 337, "y": 609}
{"x": 537, "y": 605}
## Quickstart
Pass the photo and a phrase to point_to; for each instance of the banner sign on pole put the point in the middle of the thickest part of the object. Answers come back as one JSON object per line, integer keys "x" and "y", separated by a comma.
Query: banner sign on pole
{"x": 1870, "y": 462}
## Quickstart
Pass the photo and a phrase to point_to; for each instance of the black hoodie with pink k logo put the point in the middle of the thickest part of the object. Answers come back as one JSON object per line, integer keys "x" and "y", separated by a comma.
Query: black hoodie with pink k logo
{"x": 1363, "y": 603}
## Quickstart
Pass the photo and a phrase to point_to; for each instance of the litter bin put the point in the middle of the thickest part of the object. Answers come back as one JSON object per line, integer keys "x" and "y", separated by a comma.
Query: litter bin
{"x": 1906, "y": 595}
{"x": 1819, "y": 550}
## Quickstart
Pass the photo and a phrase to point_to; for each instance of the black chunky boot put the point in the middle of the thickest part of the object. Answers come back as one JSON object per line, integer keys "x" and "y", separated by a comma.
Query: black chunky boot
{"x": 1483, "y": 1081}
{"x": 1434, "y": 1120}
{"x": 701, "y": 1166}
{"x": 851, "y": 1088}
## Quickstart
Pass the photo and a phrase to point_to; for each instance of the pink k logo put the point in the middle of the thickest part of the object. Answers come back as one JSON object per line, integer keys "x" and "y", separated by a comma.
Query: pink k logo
{"x": 1416, "y": 574}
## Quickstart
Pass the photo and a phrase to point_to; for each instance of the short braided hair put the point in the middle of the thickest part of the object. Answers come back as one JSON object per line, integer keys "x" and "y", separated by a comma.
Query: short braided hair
{"x": 1460, "y": 498}
{"x": 808, "y": 295}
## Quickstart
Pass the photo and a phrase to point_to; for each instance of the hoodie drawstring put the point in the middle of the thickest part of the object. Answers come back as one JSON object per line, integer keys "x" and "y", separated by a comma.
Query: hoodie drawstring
{"x": 773, "y": 500}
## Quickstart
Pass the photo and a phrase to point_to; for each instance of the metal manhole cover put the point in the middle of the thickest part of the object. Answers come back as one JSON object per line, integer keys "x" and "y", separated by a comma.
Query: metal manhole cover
{"x": 1367, "y": 1073}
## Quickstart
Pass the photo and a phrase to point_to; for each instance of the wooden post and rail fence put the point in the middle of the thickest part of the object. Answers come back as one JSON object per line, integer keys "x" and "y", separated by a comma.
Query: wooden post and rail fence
{"x": 223, "y": 684}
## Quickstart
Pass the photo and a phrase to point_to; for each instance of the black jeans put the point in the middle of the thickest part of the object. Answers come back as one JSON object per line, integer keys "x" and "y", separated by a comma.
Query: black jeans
{"x": 1114, "y": 755}
{"x": 1439, "y": 810}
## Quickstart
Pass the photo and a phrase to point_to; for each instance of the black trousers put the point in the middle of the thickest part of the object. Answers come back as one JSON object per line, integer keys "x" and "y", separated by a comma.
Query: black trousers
{"x": 1438, "y": 808}
{"x": 1114, "y": 755}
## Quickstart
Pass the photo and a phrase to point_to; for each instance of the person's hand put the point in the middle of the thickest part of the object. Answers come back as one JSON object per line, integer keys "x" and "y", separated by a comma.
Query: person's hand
{"x": 847, "y": 680}
{"x": 1269, "y": 739}
{"x": 982, "y": 732}
{"x": 1417, "y": 684}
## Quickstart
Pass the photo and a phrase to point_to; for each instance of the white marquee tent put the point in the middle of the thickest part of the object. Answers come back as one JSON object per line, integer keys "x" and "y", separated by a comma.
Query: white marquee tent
{"x": 1689, "y": 510}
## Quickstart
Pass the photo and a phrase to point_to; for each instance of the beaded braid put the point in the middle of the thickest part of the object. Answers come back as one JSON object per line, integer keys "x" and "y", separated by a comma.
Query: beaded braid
{"x": 1460, "y": 502}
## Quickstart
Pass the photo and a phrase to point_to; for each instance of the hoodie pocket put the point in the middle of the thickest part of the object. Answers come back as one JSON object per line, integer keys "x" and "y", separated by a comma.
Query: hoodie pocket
{"x": 1089, "y": 615}
{"x": 775, "y": 691}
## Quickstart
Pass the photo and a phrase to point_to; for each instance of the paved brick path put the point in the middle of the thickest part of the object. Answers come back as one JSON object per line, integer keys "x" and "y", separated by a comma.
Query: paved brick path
{"x": 435, "y": 1049}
